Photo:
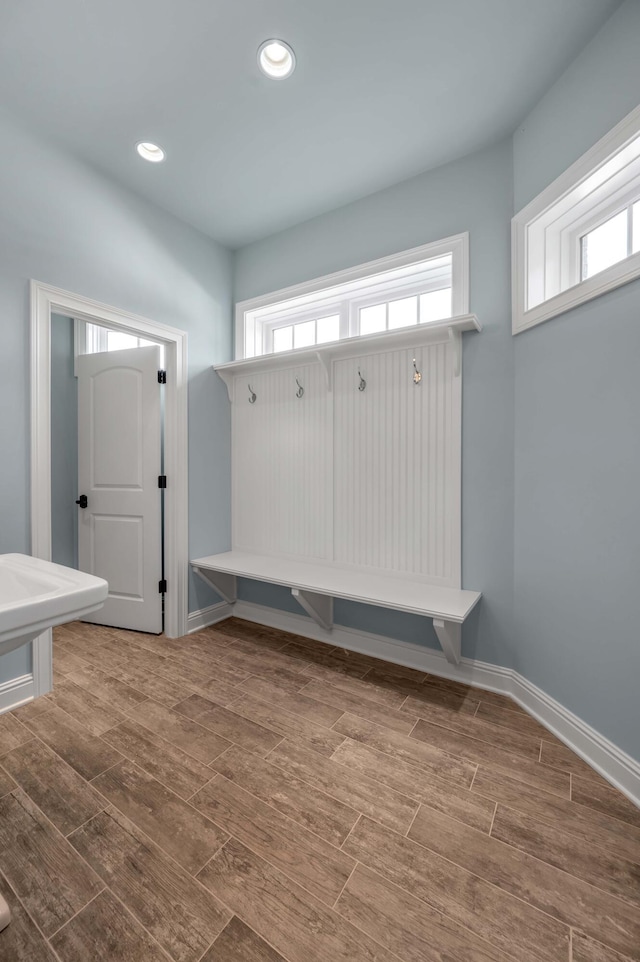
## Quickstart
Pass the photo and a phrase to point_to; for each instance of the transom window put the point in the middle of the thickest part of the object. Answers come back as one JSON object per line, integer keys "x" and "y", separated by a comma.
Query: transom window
{"x": 610, "y": 242}
{"x": 581, "y": 236}
{"x": 416, "y": 287}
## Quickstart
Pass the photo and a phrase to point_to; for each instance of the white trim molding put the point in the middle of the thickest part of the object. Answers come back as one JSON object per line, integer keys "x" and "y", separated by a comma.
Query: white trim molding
{"x": 546, "y": 234}
{"x": 17, "y": 692}
{"x": 618, "y": 768}
{"x": 45, "y": 301}
{"x": 204, "y": 617}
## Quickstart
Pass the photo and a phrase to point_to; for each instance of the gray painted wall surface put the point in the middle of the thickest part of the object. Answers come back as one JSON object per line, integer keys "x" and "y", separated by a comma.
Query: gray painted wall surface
{"x": 473, "y": 194}
{"x": 63, "y": 224}
{"x": 577, "y": 453}
{"x": 64, "y": 444}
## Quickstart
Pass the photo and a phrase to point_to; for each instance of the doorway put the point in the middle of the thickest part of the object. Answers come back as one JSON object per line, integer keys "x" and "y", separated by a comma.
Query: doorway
{"x": 46, "y": 301}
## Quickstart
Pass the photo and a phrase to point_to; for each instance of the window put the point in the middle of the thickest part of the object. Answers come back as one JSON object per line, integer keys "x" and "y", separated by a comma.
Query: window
{"x": 581, "y": 236}
{"x": 415, "y": 287}
{"x": 93, "y": 339}
{"x": 611, "y": 242}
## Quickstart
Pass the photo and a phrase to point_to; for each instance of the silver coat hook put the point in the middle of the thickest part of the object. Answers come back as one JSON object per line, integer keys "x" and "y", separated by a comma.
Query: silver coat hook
{"x": 362, "y": 385}
{"x": 300, "y": 390}
{"x": 417, "y": 376}
{"x": 252, "y": 395}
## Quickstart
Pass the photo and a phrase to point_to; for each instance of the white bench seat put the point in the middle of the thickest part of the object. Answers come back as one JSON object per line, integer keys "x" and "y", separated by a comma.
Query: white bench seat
{"x": 315, "y": 584}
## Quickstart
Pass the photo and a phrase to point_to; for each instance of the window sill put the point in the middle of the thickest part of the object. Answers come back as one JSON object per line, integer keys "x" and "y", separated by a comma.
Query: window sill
{"x": 615, "y": 276}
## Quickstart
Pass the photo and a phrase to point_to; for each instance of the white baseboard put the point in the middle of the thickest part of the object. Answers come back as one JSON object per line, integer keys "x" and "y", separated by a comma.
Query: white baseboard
{"x": 16, "y": 692}
{"x": 208, "y": 616}
{"x": 607, "y": 759}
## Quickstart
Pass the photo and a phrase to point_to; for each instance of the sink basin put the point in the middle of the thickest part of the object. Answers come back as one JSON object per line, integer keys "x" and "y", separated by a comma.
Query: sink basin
{"x": 36, "y": 595}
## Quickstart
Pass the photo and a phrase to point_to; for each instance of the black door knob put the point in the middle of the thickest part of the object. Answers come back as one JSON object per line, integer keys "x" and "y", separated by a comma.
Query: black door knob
{"x": 83, "y": 501}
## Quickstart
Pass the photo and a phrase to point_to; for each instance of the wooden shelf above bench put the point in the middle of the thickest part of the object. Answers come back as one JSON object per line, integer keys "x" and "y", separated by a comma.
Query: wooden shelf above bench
{"x": 315, "y": 585}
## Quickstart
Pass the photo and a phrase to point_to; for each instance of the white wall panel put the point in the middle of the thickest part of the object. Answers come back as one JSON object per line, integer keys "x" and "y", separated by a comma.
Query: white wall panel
{"x": 282, "y": 464}
{"x": 369, "y": 479}
{"x": 397, "y": 470}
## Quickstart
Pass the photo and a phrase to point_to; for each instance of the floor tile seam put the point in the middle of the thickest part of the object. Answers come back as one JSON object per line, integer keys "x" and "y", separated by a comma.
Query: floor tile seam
{"x": 61, "y": 757}
{"x": 306, "y": 779}
{"x": 87, "y": 820}
{"x": 294, "y": 717}
{"x": 475, "y": 738}
{"x": 66, "y": 838}
{"x": 278, "y": 868}
{"x": 285, "y": 771}
{"x": 374, "y": 705}
{"x": 591, "y": 776}
{"x": 406, "y": 834}
{"x": 257, "y": 934}
{"x": 632, "y": 863}
{"x": 25, "y": 909}
{"x": 411, "y": 763}
{"x": 83, "y": 723}
{"x": 3, "y": 771}
{"x": 162, "y": 785}
{"x": 497, "y": 727}
{"x": 156, "y": 848}
{"x": 337, "y": 848}
{"x": 20, "y": 724}
{"x": 16, "y": 747}
{"x": 472, "y": 935}
{"x": 409, "y": 798}
{"x": 215, "y": 731}
{"x": 551, "y": 823}
{"x": 208, "y": 782}
{"x": 76, "y": 914}
{"x": 285, "y": 667}
{"x": 511, "y": 728}
{"x": 334, "y": 906}
{"x": 548, "y": 865}
{"x": 183, "y": 718}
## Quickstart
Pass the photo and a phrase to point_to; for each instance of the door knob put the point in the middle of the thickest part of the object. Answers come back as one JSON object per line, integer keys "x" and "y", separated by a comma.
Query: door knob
{"x": 83, "y": 501}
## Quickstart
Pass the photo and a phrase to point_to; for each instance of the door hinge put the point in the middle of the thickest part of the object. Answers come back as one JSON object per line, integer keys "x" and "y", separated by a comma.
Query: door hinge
{"x": 162, "y": 480}
{"x": 162, "y": 586}
{"x": 162, "y": 377}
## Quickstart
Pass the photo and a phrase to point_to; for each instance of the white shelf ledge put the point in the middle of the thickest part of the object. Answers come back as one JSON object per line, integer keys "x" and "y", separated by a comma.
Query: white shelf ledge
{"x": 450, "y": 327}
{"x": 315, "y": 585}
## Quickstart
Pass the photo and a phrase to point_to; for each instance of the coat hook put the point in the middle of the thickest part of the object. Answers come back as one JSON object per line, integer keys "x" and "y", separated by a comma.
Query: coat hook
{"x": 363, "y": 383}
{"x": 252, "y": 395}
{"x": 300, "y": 390}
{"x": 417, "y": 376}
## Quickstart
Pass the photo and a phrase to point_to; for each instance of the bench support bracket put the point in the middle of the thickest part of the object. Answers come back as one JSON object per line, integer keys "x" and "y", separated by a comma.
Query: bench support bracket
{"x": 449, "y": 635}
{"x": 318, "y": 607}
{"x": 224, "y": 584}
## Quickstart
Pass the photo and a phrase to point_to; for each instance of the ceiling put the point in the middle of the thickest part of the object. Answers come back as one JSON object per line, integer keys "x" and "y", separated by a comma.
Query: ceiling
{"x": 383, "y": 90}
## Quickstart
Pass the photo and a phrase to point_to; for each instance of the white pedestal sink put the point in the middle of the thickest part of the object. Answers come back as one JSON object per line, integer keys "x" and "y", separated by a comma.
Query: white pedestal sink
{"x": 36, "y": 595}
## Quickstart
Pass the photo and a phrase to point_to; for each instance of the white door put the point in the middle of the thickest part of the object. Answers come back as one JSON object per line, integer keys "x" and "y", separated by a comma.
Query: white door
{"x": 119, "y": 462}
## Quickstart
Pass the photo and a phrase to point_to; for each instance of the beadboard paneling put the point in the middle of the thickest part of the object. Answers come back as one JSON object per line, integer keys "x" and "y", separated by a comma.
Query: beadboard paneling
{"x": 282, "y": 465}
{"x": 397, "y": 464}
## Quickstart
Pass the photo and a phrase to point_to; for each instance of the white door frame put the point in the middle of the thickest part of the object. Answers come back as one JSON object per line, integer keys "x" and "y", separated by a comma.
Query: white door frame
{"x": 45, "y": 301}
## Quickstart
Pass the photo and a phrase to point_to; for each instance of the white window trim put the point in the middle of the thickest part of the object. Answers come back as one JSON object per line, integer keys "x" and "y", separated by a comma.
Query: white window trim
{"x": 546, "y": 233}
{"x": 248, "y": 338}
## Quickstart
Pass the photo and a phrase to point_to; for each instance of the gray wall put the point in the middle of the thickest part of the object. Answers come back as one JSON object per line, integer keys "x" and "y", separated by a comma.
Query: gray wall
{"x": 63, "y": 224}
{"x": 64, "y": 444}
{"x": 473, "y": 194}
{"x": 577, "y": 453}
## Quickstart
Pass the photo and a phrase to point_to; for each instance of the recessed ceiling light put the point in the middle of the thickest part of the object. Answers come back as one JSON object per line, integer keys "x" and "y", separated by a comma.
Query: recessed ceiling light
{"x": 150, "y": 152}
{"x": 276, "y": 59}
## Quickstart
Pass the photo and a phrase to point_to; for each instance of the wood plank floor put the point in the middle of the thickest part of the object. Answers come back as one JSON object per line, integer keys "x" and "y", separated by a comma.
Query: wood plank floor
{"x": 245, "y": 795}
